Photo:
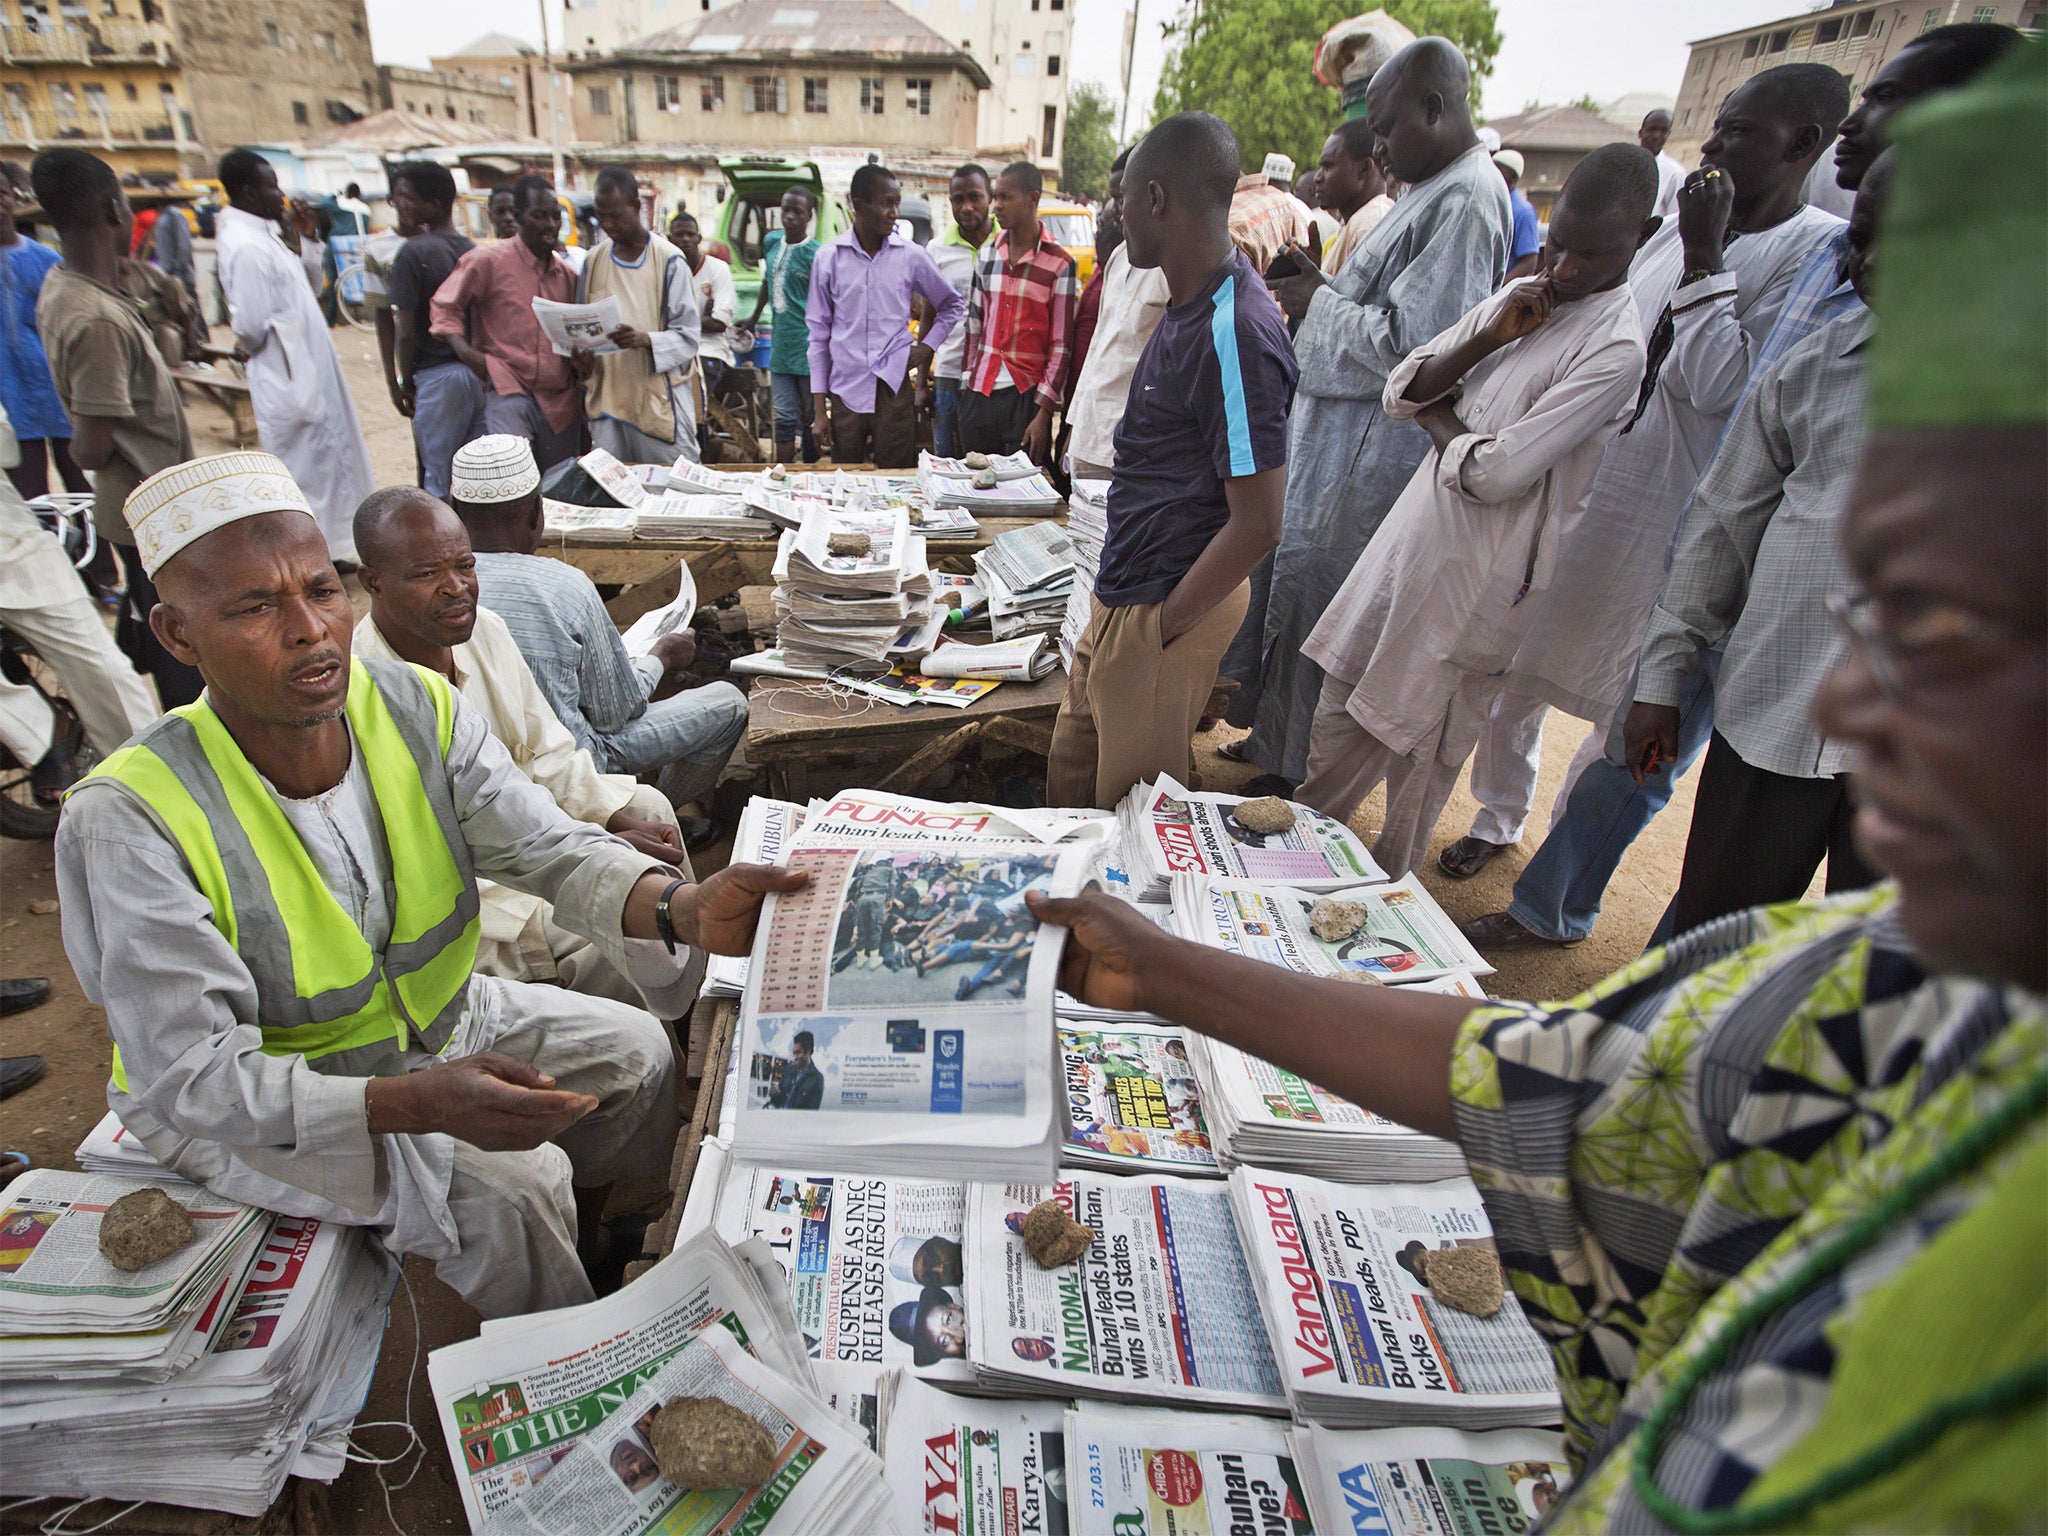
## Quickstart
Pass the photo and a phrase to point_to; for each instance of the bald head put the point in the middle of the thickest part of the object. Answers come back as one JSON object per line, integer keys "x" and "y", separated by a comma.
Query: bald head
{"x": 381, "y": 526}
{"x": 1655, "y": 130}
{"x": 1419, "y": 105}
{"x": 420, "y": 572}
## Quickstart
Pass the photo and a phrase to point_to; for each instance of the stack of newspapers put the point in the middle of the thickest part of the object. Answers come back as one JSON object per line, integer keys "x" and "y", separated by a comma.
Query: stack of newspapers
{"x": 1088, "y": 528}
{"x": 678, "y": 514}
{"x": 898, "y": 1012}
{"x": 1391, "y": 932}
{"x": 843, "y": 609}
{"x": 1020, "y": 489}
{"x": 1028, "y": 574}
{"x": 1429, "y": 1482}
{"x": 287, "y": 1312}
{"x": 1169, "y": 830}
{"x": 1362, "y": 1341}
{"x": 549, "y": 1417}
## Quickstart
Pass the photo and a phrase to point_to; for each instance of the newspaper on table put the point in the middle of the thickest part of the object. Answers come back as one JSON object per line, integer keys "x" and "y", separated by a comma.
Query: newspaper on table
{"x": 1023, "y": 660}
{"x": 825, "y": 1480}
{"x": 1032, "y": 557}
{"x": 1155, "y": 1472}
{"x": 53, "y": 1275}
{"x": 868, "y": 815}
{"x": 619, "y": 480}
{"x": 874, "y": 1266}
{"x": 670, "y": 617}
{"x": 573, "y": 328}
{"x": 1429, "y": 1482}
{"x": 1159, "y": 1307}
{"x": 899, "y": 1009}
{"x": 877, "y": 590}
{"x": 679, "y": 514}
{"x": 1362, "y": 1341}
{"x": 762, "y": 837}
{"x": 1088, "y": 527}
{"x": 110, "y": 1147}
{"x": 1401, "y": 933}
{"x": 901, "y": 686}
{"x": 1263, "y": 1114}
{"x": 292, "y": 1343}
{"x": 1133, "y": 1102}
{"x": 1007, "y": 466}
{"x": 1024, "y": 496}
{"x": 1170, "y": 830}
{"x": 613, "y": 525}
{"x": 969, "y": 1465}
{"x": 514, "y": 1401}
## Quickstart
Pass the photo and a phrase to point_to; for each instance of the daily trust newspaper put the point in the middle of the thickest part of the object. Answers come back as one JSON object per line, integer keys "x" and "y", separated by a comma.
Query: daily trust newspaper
{"x": 964, "y": 1466}
{"x": 1361, "y": 1338}
{"x": 1155, "y": 1472}
{"x": 899, "y": 1009}
{"x": 1399, "y": 934}
{"x": 1429, "y": 1482}
{"x": 1160, "y": 1306}
{"x": 825, "y": 1478}
{"x": 514, "y": 1401}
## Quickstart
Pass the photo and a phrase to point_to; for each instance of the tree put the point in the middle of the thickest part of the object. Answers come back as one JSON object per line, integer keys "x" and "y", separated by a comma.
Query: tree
{"x": 1251, "y": 63}
{"x": 1091, "y": 143}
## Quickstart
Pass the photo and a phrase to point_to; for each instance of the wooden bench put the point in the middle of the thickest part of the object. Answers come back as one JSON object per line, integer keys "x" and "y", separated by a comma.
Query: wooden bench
{"x": 227, "y": 390}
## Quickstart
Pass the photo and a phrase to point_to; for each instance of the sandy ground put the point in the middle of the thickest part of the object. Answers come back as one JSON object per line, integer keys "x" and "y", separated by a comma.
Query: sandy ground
{"x": 48, "y": 1120}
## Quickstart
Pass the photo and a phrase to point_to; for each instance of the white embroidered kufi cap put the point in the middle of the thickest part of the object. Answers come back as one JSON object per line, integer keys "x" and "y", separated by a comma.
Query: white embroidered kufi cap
{"x": 1280, "y": 166}
{"x": 176, "y": 506}
{"x": 493, "y": 469}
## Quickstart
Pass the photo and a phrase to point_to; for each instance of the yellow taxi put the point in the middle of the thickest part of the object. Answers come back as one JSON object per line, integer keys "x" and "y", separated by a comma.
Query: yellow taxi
{"x": 1073, "y": 226}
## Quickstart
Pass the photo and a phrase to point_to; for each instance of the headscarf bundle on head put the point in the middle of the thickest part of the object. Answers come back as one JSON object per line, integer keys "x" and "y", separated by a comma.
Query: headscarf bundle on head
{"x": 1962, "y": 263}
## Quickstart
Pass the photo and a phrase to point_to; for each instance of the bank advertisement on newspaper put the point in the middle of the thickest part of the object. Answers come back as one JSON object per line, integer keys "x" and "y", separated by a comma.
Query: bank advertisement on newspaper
{"x": 514, "y": 1401}
{"x": 1429, "y": 1482}
{"x": 964, "y": 1466}
{"x": 1133, "y": 1104}
{"x": 609, "y": 1484}
{"x": 1155, "y": 1472}
{"x": 1390, "y": 933}
{"x": 901, "y": 1005}
{"x": 1340, "y": 1271}
{"x": 1159, "y": 1306}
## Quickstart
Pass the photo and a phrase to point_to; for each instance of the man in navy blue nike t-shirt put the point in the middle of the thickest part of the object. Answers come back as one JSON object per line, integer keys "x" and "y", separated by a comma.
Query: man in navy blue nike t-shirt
{"x": 1196, "y": 490}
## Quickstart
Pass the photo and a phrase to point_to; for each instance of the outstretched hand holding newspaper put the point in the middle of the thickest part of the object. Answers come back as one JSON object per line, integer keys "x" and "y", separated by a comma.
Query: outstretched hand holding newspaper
{"x": 1386, "y": 1048}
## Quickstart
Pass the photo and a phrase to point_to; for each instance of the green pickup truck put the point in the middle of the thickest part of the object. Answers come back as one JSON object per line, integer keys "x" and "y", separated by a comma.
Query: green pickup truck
{"x": 754, "y": 207}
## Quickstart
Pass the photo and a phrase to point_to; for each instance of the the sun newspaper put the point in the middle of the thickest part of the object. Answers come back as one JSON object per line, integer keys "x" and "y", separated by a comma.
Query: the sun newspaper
{"x": 1133, "y": 1104}
{"x": 825, "y": 1480}
{"x": 1171, "y": 830}
{"x": 515, "y": 1400}
{"x": 1159, "y": 1306}
{"x": 1155, "y": 1472}
{"x": 1362, "y": 1340}
{"x": 1429, "y": 1482}
{"x": 963, "y": 1466}
{"x": 899, "y": 1008}
{"x": 1402, "y": 934}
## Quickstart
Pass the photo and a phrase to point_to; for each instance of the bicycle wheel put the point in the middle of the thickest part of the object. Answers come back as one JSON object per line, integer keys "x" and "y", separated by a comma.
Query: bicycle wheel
{"x": 349, "y": 298}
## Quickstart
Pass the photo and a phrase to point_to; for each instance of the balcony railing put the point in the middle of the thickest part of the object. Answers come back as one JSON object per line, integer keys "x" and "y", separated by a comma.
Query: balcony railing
{"x": 87, "y": 42}
{"x": 86, "y": 127}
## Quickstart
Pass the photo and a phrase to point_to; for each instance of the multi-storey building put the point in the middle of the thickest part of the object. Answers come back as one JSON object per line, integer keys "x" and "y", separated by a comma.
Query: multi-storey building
{"x": 517, "y": 65}
{"x": 106, "y": 80}
{"x": 459, "y": 97}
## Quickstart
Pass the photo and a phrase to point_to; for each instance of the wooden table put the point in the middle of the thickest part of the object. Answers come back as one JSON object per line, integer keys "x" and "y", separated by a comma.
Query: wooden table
{"x": 794, "y": 727}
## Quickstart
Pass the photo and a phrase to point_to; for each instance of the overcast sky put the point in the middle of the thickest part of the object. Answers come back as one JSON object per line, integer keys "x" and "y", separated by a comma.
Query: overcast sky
{"x": 1552, "y": 50}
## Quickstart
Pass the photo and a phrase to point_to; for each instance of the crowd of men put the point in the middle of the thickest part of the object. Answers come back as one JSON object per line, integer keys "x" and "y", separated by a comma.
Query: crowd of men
{"x": 385, "y": 920}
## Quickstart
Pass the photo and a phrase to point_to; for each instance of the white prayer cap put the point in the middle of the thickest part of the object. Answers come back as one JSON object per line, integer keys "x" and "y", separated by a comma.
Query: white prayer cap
{"x": 1278, "y": 165}
{"x": 1490, "y": 137}
{"x": 1509, "y": 160}
{"x": 495, "y": 468}
{"x": 175, "y": 506}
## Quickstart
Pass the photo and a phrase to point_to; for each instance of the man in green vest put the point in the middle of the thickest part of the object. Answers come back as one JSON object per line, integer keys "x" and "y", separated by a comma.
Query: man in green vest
{"x": 273, "y": 894}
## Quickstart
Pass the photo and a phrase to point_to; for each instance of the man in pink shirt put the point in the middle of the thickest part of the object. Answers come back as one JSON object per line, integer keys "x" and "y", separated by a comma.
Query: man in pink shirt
{"x": 485, "y": 309}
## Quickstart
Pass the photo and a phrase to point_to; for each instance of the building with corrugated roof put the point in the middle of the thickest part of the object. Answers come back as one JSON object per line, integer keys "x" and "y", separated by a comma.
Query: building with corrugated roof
{"x": 1551, "y": 140}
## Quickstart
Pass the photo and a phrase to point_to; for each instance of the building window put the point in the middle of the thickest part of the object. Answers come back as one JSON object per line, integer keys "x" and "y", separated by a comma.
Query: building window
{"x": 668, "y": 93}
{"x": 711, "y": 93}
{"x": 1750, "y": 46}
{"x": 872, "y": 88}
{"x": 1052, "y": 66}
{"x": 1826, "y": 32}
{"x": 64, "y": 102}
{"x": 1928, "y": 21}
{"x": 600, "y": 101}
{"x": 1052, "y": 122}
{"x": 1860, "y": 25}
{"x": 1984, "y": 13}
{"x": 96, "y": 102}
{"x": 128, "y": 90}
{"x": 270, "y": 35}
{"x": 817, "y": 93}
{"x": 917, "y": 97}
{"x": 767, "y": 93}
{"x": 324, "y": 41}
{"x": 299, "y": 114}
{"x": 1780, "y": 41}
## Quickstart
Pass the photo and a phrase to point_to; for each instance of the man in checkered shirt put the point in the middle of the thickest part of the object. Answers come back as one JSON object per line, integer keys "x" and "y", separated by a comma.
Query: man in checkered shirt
{"x": 1020, "y": 321}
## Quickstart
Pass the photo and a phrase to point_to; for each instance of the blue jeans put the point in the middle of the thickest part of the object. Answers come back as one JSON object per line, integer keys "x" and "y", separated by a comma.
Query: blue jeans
{"x": 684, "y": 741}
{"x": 791, "y": 393}
{"x": 1558, "y": 894}
{"x": 946, "y": 418}
{"x": 447, "y": 412}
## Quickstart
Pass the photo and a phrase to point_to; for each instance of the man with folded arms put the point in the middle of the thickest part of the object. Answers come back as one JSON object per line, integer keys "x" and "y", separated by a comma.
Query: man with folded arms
{"x": 273, "y": 894}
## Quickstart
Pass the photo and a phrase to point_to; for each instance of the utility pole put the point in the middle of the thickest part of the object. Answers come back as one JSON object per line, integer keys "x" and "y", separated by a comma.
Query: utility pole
{"x": 547, "y": 61}
{"x": 1123, "y": 117}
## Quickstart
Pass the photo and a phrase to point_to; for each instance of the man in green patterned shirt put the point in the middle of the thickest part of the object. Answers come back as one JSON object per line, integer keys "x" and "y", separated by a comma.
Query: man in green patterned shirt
{"x": 1777, "y": 1194}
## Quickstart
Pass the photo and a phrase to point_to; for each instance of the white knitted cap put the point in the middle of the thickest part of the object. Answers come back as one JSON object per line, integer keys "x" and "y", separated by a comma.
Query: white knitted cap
{"x": 492, "y": 469}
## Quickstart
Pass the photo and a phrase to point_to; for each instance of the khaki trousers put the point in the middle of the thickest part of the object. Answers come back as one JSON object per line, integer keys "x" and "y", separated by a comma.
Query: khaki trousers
{"x": 1132, "y": 704}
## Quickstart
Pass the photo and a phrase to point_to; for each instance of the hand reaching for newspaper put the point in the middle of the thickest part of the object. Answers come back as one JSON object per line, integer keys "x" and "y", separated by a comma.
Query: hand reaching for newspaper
{"x": 728, "y": 904}
{"x": 492, "y": 1101}
{"x": 1110, "y": 949}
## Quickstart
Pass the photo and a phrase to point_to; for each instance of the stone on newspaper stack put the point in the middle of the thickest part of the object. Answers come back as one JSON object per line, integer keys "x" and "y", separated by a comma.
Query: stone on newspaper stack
{"x": 848, "y": 544}
{"x": 142, "y": 1227}
{"x": 1331, "y": 920}
{"x": 1466, "y": 1278}
{"x": 1053, "y": 1236}
{"x": 704, "y": 1443}
{"x": 1264, "y": 816}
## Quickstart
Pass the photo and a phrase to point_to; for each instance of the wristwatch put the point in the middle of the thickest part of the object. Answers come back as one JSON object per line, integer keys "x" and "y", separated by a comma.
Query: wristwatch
{"x": 663, "y": 923}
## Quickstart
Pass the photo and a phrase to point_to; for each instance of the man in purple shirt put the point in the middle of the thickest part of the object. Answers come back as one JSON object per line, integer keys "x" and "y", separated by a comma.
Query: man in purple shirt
{"x": 862, "y": 357}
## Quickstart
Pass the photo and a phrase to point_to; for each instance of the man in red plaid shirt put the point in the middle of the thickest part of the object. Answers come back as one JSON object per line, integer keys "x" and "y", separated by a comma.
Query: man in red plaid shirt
{"x": 1020, "y": 318}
